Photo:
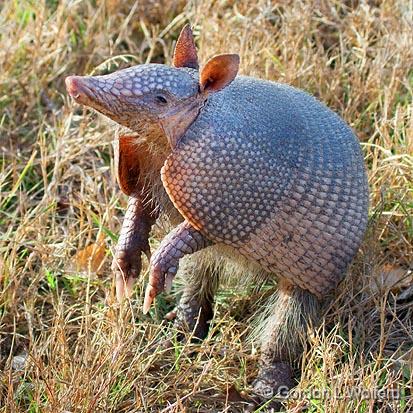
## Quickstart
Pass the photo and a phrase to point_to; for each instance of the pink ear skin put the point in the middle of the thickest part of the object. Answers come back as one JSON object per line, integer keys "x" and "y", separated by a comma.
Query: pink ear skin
{"x": 185, "y": 51}
{"x": 218, "y": 72}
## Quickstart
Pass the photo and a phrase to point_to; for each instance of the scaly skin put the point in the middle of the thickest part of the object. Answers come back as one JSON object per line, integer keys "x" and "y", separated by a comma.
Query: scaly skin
{"x": 256, "y": 167}
{"x": 133, "y": 241}
{"x": 183, "y": 240}
{"x": 283, "y": 184}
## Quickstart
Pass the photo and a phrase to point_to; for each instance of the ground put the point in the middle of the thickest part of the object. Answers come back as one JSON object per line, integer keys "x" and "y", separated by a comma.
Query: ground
{"x": 65, "y": 344}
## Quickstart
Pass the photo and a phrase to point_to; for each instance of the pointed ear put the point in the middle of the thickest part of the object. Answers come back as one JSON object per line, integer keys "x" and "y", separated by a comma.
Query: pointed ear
{"x": 126, "y": 164}
{"x": 218, "y": 72}
{"x": 185, "y": 51}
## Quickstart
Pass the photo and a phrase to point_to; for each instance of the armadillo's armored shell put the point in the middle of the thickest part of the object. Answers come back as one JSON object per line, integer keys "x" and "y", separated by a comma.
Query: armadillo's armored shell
{"x": 272, "y": 172}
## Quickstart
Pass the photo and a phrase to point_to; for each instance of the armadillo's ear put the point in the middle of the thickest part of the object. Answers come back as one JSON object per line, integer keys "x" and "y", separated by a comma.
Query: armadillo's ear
{"x": 126, "y": 164}
{"x": 185, "y": 51}
{"x": 218, "y": 72}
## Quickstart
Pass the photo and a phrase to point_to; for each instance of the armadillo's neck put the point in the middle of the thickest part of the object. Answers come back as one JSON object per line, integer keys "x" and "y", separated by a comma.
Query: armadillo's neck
{"x": 150, "y": 135}
{"x": 149, "y": 148}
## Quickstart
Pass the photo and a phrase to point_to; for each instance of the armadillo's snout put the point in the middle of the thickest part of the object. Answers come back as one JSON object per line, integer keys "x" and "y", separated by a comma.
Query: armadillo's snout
{"x": 77, "y": 88}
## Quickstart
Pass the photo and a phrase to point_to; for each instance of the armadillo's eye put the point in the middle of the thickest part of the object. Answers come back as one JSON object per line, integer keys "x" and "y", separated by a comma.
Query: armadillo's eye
{"x": 161, "y": 99}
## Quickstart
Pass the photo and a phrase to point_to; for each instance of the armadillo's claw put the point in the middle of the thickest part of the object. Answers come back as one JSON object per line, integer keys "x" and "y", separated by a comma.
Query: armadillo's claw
{"x": 160, "y": 279}
{"x": 127, "y": 268}
{"x": 150, "y": 294}
{"x": 129, "y": 286}
{"x": 168, "y": 280}
{"x": 171, "y": 315}
{"x": 124, "y": 286}
{"x": 155, "y": 286}
{"x": 120, "y": 289}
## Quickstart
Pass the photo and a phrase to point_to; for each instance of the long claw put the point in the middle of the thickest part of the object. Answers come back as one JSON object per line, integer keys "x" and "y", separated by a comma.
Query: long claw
{"x": 129, "y": 286}
{"x": 120, "y": 288}
{"x": 124, "y": 285}
{"x": 168, "y": 282}
{"x": 150, "y": 294}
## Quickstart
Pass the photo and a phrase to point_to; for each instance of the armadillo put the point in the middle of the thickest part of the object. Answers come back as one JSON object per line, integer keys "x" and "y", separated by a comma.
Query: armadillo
{"x": 251, "y": 170}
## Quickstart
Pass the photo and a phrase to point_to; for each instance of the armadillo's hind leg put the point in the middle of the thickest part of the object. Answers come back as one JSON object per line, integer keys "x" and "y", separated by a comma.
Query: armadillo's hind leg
{"x": 195, "y": 308}
{"x": 294, "y": 312}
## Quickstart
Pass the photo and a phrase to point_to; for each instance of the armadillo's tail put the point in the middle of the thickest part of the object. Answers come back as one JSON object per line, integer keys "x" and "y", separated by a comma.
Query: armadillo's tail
{"x": 283, "y": 328}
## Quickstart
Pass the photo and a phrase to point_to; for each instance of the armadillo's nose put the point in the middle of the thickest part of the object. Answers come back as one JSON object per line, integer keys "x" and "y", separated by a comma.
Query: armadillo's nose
{"x": 76, "y": 87}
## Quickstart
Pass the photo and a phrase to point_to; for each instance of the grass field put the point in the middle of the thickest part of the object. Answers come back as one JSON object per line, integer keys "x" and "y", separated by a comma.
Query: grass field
{"x": 65, "y": 344}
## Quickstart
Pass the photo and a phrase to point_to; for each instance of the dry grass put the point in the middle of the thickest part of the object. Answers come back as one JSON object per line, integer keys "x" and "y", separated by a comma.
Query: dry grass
{"x": 65, "y": 344}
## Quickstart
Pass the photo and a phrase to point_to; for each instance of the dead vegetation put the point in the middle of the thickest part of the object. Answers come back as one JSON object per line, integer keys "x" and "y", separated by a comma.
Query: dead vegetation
{"x": 65, "y": 345}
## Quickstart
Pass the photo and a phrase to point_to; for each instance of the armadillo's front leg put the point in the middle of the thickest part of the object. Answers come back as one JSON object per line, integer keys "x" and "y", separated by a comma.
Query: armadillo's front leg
{"x": 133, "y": 240}
{"x": 183, "y": 240}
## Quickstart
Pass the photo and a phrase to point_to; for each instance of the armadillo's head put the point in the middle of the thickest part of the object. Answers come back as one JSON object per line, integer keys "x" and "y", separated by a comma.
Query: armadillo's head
{"x": 155, "y": 94}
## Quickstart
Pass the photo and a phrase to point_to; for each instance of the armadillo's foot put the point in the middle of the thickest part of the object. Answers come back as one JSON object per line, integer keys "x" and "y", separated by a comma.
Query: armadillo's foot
{"x": 195, "y": 307}
{"x": 163, "y": 271}
{"x": 183, "y": 240}
{"x": 193, "y": 316}
{"x": 191, "y": 319}
{"x": 126, "y": 268}
{"x": 272, "y": 385}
